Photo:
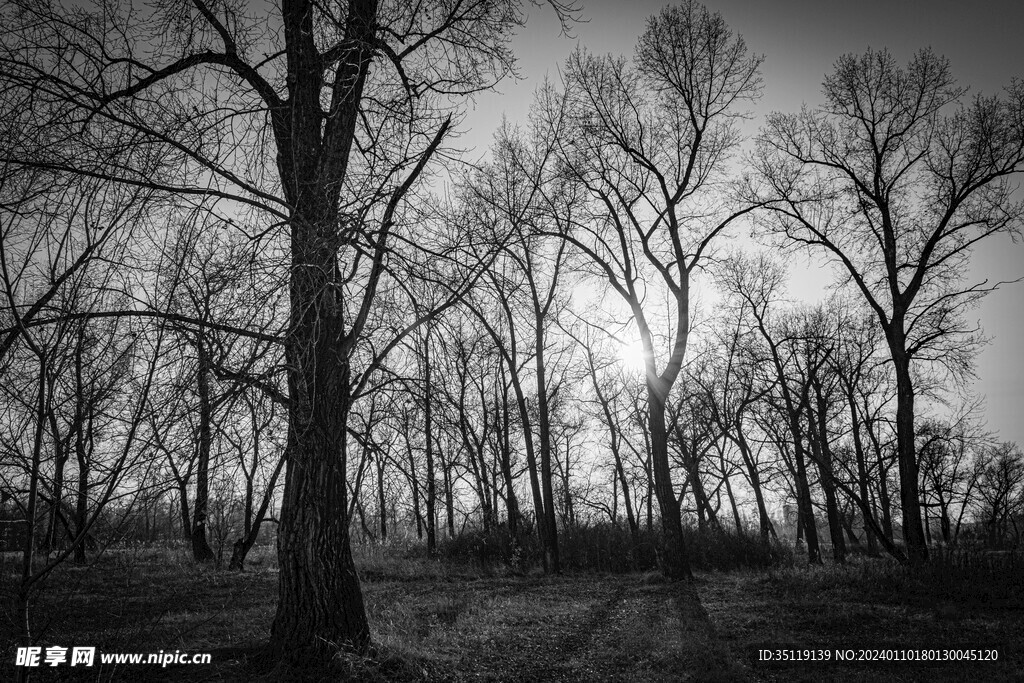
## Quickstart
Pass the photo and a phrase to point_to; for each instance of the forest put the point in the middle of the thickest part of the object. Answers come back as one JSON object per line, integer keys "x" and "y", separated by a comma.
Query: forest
{"x": 292, "y": 380}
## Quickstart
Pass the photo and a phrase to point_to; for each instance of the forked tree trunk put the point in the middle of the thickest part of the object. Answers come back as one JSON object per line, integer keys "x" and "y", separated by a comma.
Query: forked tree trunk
{"x": 320, "y": 607}
{"x": 243, "y": 545}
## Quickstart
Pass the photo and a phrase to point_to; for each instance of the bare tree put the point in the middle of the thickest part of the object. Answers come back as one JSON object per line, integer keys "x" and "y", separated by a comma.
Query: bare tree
{"x": 895, "y": 179}
{"x": 731, "y": 391}
{"x": 649, "y": 145}
{"x": 1001, "y": 492}
{"x": 951, "y": 452}
{"x": 333, "y": 120}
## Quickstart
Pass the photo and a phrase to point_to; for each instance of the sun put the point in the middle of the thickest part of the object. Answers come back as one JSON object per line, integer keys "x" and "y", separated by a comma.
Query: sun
{"x": 633, "y": 356}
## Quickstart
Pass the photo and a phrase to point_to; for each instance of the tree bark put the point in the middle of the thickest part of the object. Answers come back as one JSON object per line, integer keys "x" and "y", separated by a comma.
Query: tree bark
{"x": 766, "y": 527}
{"x": 823, "y": 455}
{"x": 910, "y": 502}
{"x": 511, "y": 503}
{"x": 428, "y": 432}
{"x": 201, "y": 551}
{"x": 550, "y": 539}
{"x": 862, "y": 471}
{"x": 805, "y": 507}
{"x": 381, "y": 502}
{"x": 243, "y": 545}
{"x": 675, "y": 562}
{"x": 320, "y": 605}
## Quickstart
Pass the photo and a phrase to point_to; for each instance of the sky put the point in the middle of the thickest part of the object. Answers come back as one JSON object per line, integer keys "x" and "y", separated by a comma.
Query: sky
{"x": 801, "y": 39}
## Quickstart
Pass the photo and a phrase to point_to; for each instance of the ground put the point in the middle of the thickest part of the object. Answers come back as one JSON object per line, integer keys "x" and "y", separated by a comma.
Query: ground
{"x": 433, "y": 622}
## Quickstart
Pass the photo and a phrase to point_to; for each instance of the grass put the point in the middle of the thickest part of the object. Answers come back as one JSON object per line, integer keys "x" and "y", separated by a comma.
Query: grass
{"x": 437, "y": 620}
{"x": 870, "y": 604}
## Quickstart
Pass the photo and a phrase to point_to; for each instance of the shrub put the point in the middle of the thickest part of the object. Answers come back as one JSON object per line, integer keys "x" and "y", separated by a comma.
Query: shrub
{"x": 604, "y": 547}
{"x": 730, "y": 549}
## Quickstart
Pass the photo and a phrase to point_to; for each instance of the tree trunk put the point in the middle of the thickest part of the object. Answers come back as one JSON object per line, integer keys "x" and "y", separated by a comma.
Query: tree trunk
{"x": 60, "y": 458}
{"x": 321, "y": 603}
{"x": 823, "y": 456}
{"x": 615, "y": 444}
{"x": 201, "y": 550}
{"x": 805, "y": 507}
{"x": 766, "y": 526}
{"x": 449, "y": 499}
{"x": 910, "y": 502}
{"x": 550, "y": 539}
{"x": 428, "y": 431}
{"x": 634, "y": 526}
{"x": 22, "y": 602}
{"x": 414, "y": 482}
{"x": 243, "y": 545}
{"x": 83, "y": 434}
{"x": 732, "y": 498}
{"x": 381, "y": 502}
{"x": 882, "y": 477}
{"x": 320, "y": 606}
{"x": 531, "y": 466}
{"x": 511, "y": 503}
{"x": 675, "y": 562}
{"x": 862, "y": 470}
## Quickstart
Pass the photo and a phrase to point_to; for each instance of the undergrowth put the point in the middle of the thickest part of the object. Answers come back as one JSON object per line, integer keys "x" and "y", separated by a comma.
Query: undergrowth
{"x": 592, "y": 548}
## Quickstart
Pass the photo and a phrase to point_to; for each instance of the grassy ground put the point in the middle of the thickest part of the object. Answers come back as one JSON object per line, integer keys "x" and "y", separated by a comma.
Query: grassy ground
{"x": 868, "y": 606}
{"x": 439, "y": 622}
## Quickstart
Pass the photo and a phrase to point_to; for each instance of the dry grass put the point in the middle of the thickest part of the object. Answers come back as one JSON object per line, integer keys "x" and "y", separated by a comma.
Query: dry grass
{"x": 439, "y": 621}
{"x": 870, "y": 604}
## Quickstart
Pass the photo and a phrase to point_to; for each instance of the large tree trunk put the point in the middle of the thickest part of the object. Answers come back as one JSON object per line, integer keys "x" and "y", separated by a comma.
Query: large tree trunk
{"x": 321, "y": 603}
{"x": 320, "y": 606}
{"x": 732, "y": 499}
{"x": 835, "y": 527}
{"x": 706, "y": 514}
{"x": 675, "y": 562}
{"x": 910, "y": 502}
